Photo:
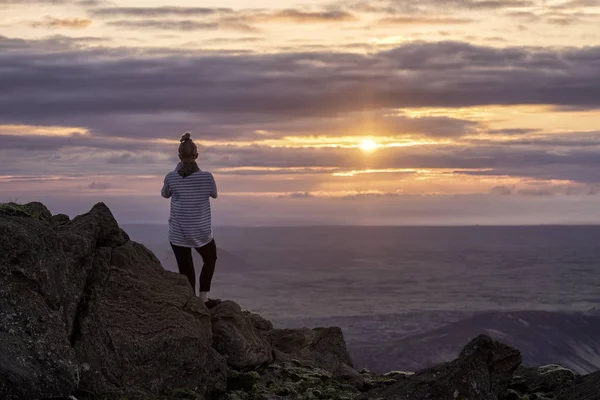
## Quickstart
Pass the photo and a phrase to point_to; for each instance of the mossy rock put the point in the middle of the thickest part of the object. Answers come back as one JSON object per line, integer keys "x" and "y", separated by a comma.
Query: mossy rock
{"x": 33, "y": 210}
{"x": 285, "y": 382}
{"x": 174, "y": 394}
{"x": 182, "y": 394}
{"x": 243, "y": 381}
{"x": 309, "y": 384}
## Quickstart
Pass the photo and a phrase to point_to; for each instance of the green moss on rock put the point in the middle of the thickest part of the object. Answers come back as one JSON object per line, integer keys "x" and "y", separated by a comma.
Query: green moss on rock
{"x": 33, "y": 210}
{"x": 182, "y": 394}
{"x": 243, "y": 381}
{"x": 287, "y": 381}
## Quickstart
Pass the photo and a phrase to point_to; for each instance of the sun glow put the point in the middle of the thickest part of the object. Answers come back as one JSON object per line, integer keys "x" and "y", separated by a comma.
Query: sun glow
{"x": 368, "y": 145}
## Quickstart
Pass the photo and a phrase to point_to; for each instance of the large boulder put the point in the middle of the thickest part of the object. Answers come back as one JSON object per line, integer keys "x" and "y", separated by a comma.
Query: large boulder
{"x": 482, "y": 372}
{"x": 143, "y": 327}
{"x": 236, "y": 335}
{"x": 83, "y": 307}
{"x": 325, "y": 347}
{"x": 259, "y": 322}
{"x": 33, "y": 210}
{"x": 545, "y": 379}
{"x": 36, "y": 359}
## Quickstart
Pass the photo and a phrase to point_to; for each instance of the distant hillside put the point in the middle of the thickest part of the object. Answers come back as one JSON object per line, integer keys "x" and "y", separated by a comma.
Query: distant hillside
{"x": 571, "y": 340}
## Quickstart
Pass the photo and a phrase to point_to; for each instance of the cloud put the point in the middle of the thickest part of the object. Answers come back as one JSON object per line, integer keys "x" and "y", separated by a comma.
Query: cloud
{"x": 545, "y": 189}
{"x": 53, "y": 143}
{"x": 49, "y": 44}
{"x": 436, "y": 6}
{"x": 157, "y": 12}
{"x": 332, "y": 195}
{"x": 227, "y": 15}
{"x": 262, "y": 168}
{"x": 93, "y": 3}
{"x": 123, "y": 99}
{"x": 82, "y": 3}
{"x": 95, "y": 84}
{"x": 57, "y": 23}
{"x": 513, "y": 131}
{"x": 424, "y": 20}
{"x": 575, "y": 4}
{"x": 565, "y": 15}
{"x": 169, "y": 25}
{"x": 296, "y": 195}
{"x": 99, "y": 186}
{"x": 371, "y": 195}
{"x": 502, "y": 190}
{"x": 566, "y": 140}
{"x": 212, "y": 18}
{"x": 437, "y": 127}
{"x": 131, "y": 158}
{"x": 33, "y": 2}
{"x": 494, "y": 4}
{"x": 304, "y": 17}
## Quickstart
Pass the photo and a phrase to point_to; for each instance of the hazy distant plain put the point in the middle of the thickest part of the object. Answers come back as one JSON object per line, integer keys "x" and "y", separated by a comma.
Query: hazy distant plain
{"x": 381, "y": 284}
{"x": 342, "y": 271}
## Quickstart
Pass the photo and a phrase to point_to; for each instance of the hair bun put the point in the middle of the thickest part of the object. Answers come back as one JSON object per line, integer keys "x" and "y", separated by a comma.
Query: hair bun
{"x": 185, "y": 137}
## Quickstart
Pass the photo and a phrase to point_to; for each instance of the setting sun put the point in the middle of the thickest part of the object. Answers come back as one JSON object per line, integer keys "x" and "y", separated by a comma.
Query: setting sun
{"x": 368, "y": 145}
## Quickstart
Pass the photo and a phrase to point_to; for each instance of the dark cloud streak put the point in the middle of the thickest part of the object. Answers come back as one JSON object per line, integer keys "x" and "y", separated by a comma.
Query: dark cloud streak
{"x": 57, "y": 23}
{"x": 168, "y": 25}
{"x": 422, "y": 20}
{"x": 156, "y": 12}
{"x": 300, "y": 17}
{"x": 448, "y": 74}
{"x": 435, "y": 6}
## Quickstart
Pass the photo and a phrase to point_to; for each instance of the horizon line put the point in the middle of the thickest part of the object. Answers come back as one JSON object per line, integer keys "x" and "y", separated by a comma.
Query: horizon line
{"x": 385, "y": 226}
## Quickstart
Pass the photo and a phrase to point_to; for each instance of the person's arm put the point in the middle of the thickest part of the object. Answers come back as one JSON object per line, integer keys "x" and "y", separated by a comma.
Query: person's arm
{"x": 166, "y": 191}
{"x": 214, "y": 193}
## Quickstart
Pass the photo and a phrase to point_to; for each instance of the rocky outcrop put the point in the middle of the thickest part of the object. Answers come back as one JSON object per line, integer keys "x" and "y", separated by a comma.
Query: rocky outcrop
{"x": 258, "y": 321}
{"x": 543, "y": 337}
{"x": 36, "y": 359}
{"x": 323, "y": 346}
{"x": 482, "y": 372}
{"x": 542, "y": 380}
{"x": 237, "y": 337}
{"x": 86, "y": 311}
{"x": 82, "y": 308}
{"x": 34, "y": 210}
{"x": 553, "y": 382}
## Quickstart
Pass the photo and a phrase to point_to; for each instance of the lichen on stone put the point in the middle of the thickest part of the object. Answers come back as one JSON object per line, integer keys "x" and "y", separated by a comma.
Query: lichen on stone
{"x": 30, "y": 210}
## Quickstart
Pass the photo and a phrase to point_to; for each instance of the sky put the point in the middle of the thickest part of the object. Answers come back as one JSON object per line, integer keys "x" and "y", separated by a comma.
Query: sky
{"x": 380, "y": 112}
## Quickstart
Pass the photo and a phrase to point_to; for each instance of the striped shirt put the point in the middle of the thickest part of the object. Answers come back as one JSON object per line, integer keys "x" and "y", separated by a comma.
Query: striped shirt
{"x": 190, "y": 219}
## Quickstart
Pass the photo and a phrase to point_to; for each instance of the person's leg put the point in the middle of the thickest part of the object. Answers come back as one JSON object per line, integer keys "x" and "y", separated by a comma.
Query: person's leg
{"x": 209, "y": 257}
{"x": 185, "y": 263}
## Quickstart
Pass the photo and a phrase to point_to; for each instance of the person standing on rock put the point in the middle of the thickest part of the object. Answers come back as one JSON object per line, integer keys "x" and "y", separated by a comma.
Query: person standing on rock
{"x": 190, "y": 190}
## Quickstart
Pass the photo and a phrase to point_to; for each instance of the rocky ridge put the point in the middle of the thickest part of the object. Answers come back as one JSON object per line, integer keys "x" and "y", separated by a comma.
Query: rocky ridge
{"x": 86, "y": 312}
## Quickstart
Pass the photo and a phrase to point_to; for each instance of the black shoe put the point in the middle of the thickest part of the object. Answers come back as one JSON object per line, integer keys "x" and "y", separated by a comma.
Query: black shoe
{"x": 210, "y": 303}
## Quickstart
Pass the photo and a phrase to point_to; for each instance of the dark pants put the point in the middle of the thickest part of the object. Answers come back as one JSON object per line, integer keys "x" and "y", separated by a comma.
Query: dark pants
{"x": 183, "y": 255}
